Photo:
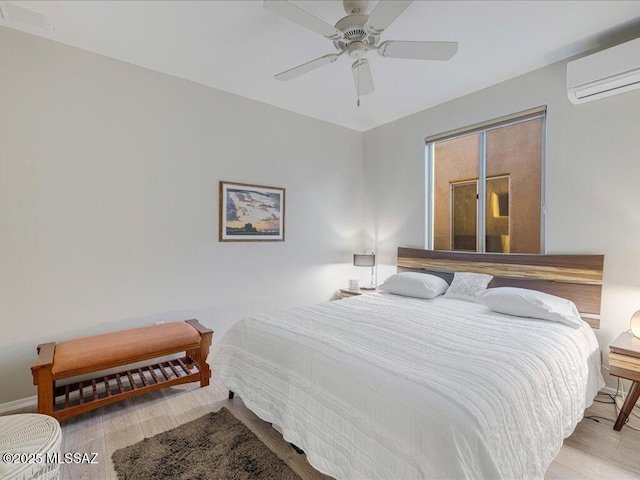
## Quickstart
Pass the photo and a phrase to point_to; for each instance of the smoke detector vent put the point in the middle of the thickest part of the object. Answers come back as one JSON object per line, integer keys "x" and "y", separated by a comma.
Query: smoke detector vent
{"x": 14, "y": 13}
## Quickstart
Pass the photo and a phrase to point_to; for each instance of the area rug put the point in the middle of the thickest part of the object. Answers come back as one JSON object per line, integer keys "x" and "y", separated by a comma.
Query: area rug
{"x": 216, "y": 446}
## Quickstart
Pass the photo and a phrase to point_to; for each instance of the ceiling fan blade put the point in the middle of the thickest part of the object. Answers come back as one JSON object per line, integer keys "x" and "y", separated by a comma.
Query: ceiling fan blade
{"x": 384, "y": 14}
{"x": 307, "y": 67}
{"x": 303, "y": 18}
{"x": 362, "y": 77}
{"x": 418, "y": 50}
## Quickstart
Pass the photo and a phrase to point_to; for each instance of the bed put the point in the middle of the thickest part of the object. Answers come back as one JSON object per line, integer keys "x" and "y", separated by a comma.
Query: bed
{"x": 388, "y": 387}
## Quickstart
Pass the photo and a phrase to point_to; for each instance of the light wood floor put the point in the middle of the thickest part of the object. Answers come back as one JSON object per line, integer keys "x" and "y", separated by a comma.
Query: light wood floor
{"x": 594, "y": 451}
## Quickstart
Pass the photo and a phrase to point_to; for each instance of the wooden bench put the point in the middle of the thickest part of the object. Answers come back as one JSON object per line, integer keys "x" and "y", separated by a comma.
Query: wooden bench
{"x": 82, "y": 356}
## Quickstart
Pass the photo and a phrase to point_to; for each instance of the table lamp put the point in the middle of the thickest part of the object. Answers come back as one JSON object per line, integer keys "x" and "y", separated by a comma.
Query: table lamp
{"x": 635, "y": 324}
{"x": 366, "y": 259}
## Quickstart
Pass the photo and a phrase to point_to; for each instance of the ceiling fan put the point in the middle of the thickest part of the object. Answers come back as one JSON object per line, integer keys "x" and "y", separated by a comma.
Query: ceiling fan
{"x": 356, "y": 35}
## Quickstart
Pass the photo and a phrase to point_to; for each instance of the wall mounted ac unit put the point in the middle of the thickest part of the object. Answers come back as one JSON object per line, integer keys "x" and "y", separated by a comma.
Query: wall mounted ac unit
{"x": 609, "y": 72}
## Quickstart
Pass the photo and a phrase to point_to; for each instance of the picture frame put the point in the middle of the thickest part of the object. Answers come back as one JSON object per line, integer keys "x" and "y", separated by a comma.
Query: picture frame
{"x": 251, "y": 213}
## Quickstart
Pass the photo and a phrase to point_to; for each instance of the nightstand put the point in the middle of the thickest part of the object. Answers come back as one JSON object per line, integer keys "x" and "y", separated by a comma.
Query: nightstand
{"x": 346, "y": 293}
{"x": 624, "y": 362}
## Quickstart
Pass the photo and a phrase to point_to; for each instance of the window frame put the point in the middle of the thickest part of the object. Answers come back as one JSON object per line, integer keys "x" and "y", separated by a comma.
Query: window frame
{"x": 482, "y": 128}
{"x": 452, "y": 202}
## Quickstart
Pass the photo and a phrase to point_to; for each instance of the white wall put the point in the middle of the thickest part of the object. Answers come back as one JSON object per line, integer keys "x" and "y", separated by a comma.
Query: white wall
{"x": 593, "y": 174}
{"x": 109, "y": 201}
{"x": 109, "y": 196}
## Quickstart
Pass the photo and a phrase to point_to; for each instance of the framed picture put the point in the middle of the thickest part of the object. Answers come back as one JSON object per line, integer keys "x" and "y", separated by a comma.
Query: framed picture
{"x": 250, "y": 213}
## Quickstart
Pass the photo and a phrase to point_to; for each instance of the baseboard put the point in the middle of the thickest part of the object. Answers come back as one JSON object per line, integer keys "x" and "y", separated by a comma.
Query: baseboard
{"x": 609, "y": 390}
{"x": 613, "y": 391}
{"x": 18, "y": 404}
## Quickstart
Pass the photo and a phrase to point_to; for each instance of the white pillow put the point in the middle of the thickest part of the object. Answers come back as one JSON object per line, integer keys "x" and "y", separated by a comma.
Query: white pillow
{"x": 466, "y": 285}
{"x": 414, "y": 284}
{"x": 531, "y": 303}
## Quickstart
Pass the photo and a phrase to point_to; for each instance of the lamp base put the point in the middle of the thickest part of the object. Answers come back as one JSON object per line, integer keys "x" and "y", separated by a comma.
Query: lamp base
{"x": 369, "y": 287}
{"x": 635, "y": 324}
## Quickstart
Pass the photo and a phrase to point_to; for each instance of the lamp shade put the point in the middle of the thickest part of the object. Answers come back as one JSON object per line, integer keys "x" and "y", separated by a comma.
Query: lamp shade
{"x": 635, "y": 324}
{"x": 364, "y": 259}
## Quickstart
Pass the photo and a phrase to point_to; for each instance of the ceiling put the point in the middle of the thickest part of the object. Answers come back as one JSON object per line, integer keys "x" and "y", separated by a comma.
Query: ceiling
{"x": 238, "y": 46}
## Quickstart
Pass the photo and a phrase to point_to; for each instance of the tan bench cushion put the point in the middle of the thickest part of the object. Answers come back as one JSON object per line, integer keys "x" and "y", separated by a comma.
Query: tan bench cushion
{"x": 99, "y": 352}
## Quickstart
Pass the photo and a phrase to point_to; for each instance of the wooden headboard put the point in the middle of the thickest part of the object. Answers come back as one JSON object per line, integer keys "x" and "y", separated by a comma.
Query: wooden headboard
{"x": 574, "y": 277}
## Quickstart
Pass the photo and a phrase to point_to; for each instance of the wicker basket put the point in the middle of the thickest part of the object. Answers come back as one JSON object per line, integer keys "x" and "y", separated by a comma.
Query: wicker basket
{"x": 29, "y": 434}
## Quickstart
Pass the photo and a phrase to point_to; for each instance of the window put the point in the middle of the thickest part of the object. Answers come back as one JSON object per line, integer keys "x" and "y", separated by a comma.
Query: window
{"x": 485, "y": 186}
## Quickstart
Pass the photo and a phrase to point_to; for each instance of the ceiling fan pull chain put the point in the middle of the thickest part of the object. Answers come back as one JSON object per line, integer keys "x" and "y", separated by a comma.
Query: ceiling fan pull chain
{"x": 358, "y": 102}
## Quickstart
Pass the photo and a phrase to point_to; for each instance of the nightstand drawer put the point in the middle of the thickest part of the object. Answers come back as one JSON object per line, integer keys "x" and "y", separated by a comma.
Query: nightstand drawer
{"x": 624, "y": 361}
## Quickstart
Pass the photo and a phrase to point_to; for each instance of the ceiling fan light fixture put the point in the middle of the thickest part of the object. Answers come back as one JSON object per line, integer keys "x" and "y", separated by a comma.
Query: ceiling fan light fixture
{"x": 362, "y": 77}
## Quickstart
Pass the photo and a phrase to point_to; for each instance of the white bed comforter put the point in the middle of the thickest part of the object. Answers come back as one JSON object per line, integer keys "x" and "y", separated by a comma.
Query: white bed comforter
{"x": 388, "y": 387}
